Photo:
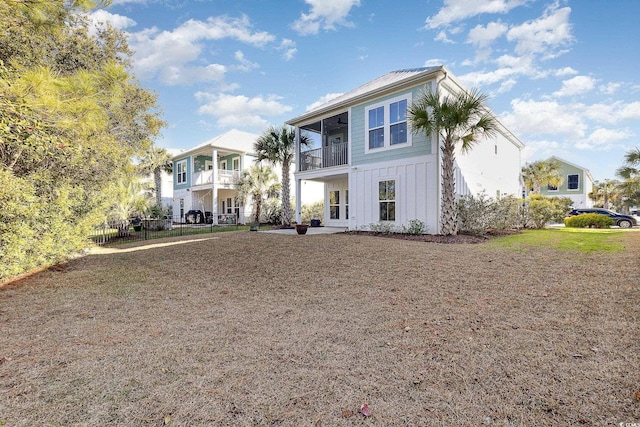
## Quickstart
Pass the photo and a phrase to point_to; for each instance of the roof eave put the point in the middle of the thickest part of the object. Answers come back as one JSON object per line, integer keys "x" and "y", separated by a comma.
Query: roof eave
{"x": 409, "y": 81}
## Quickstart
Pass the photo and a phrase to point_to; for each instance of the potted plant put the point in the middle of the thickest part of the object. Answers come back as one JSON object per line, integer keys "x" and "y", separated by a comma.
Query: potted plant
{"x": 302, "y": 228}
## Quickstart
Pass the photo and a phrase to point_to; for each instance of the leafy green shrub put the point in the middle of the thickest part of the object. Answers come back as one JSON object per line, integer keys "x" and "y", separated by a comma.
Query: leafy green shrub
{"x": 313, "y": 211}
{"x": 591, "y": 220}
{"x": 542, "y": 210}
{"x": 381, "y": 227}
{"x": 480, "y": 214}
{"x": 415, "y": 227}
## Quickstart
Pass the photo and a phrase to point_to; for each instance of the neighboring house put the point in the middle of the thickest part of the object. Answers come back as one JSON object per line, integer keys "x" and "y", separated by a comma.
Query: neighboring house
{"x": 204, "y": 177}
{"x": 200, "y": 183}
{"x": 577, "y": 183}
{"x": 375, "y": 170}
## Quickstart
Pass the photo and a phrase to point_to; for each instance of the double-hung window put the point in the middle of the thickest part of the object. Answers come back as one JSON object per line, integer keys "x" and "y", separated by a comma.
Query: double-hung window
{"x": 181, "y": 171}
{"x": 386, "y": 125}
{"x": 573, "y": 182}
{"x": 387, "y": 200}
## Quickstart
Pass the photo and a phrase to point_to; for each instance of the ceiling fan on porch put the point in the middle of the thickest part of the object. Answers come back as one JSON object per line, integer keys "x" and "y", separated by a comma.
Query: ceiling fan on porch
{"x": 340, "y": 122}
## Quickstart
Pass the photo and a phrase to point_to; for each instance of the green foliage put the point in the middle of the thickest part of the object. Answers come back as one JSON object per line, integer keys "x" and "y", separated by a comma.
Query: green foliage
{"x": 313, "y": 211}
{"x": 480, "y": 214}
{"x": 460, "y": 120}
{"x": 589, "y": 220}
{"x": 71, "y": 119}
{"x": 542, "y": 210}
{"x": 541, "y": 172}
{"x": 415, "y": 227}
{"x": 272, "y": 211}
{"x": 259, "y": 183}
{"x": 381, "y": 227}
{"x": 564, "y": 239}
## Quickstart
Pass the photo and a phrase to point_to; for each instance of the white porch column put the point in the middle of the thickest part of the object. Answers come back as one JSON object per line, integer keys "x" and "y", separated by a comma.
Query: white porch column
{"x": 214, "y": 186}
{"x": 298, "y": 201}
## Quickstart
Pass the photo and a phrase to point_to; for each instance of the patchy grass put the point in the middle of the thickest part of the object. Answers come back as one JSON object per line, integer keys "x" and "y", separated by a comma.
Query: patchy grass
{"x": 565, "y": 239}
{"x": 253, "y": 329}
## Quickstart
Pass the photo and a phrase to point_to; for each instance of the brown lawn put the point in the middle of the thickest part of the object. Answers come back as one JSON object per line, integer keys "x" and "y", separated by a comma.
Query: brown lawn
{"x": 252, "y": 329}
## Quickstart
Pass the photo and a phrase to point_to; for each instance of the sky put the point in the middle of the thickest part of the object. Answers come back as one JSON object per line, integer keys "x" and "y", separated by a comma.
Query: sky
{"x": 562, "y": 75}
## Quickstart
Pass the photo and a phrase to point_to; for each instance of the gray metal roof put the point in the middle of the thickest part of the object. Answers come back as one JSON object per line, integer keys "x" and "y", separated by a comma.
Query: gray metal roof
{"x": 233, "y": 141}
{"x": 390, "y": 80}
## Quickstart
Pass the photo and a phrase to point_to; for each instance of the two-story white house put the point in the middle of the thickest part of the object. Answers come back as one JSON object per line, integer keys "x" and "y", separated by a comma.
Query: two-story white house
{"x": 204, "y": 177}
{"x": 376, "y": 170}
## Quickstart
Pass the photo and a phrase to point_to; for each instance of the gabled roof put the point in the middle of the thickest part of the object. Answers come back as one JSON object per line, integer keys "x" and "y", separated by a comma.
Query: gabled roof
{"x": 233, "y": 140}
{"x": 388, "y": 82}
{"x": 586, "y": 171}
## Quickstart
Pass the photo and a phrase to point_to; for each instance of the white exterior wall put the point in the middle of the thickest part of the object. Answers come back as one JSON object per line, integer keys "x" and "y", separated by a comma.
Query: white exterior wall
{"x": 492, "y": 166}
{"x": 416, "y": 192}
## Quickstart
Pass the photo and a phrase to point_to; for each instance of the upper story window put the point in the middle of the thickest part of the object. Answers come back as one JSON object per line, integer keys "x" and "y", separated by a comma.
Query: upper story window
{"x": 552, "y": 187}
{"x": 386, "y": 125}
{"x": 573, "y": 182}
{"x": 181, "y": 171}
{"x": 236, "y": 164}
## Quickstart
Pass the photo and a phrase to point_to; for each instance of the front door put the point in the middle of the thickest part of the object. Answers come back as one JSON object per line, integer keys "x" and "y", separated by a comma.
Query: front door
{"x": 337, "y": 203}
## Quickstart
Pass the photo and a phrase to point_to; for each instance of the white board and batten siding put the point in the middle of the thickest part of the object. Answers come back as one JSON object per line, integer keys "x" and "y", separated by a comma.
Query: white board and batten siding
{"x": 416, "y": 187}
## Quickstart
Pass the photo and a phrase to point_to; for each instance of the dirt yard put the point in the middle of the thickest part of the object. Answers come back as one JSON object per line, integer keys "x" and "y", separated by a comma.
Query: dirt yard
{"x": 254, "y": 329}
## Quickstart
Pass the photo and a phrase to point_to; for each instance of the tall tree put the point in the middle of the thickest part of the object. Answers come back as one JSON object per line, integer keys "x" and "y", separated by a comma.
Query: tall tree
{"x": 630, "y": 174}
{"x": 458, "y": 120}
{"x": 277, "y": 146}
{"x": 157, "y": 161}
{"x": 605, "y": 193}
{"x": 72, "y": 117}
{"x": 541, "y": 172}
{"x": 258, "y": 183}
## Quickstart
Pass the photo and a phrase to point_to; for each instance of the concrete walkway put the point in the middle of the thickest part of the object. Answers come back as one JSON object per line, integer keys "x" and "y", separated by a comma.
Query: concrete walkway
{"x": 310, "y": 230}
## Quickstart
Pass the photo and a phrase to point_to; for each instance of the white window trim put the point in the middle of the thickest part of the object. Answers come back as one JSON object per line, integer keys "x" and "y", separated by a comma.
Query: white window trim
{"x": 178, "y": 173}
{"x": 387, "y": 125}
{"x": 236, "y": 163}
{"x": 377, "y": 197}
{"x": 573, "y": 189}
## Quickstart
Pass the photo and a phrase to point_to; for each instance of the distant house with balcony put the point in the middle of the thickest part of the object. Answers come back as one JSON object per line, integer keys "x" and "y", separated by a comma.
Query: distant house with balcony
{"x": 375, "y": 170}
{"x": 577, "y": 183}
{"x": 204, "y": 177}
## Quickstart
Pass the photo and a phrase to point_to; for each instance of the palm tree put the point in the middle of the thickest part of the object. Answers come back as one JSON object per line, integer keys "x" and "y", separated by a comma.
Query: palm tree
{"x": 277, "y": 146}
{"x": 259, "y": 183}
{"x": 458, "y": 119}
{"x": 541, "y": 172}
{"x": 156, "y": 161}
{"x": 630, "y": 173}
{"x": 606, "y": 192}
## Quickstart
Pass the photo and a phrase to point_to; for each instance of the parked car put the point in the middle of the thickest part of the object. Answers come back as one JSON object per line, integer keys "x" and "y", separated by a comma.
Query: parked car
{"x": 194, "y": 217}
{"x": 622, "y": 221}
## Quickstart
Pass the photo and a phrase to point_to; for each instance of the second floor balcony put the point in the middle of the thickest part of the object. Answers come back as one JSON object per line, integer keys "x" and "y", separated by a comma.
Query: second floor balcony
{"x": 325, "y": 157}
{"x": 206, "y": 177}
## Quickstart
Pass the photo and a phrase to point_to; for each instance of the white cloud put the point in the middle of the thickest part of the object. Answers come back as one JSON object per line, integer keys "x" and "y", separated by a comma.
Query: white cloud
{"x": 119, "y": 22}
{"x": 167, "y": 53}
{"x": 240, "y": 110}
{"x": 578, "y": 85}
{"x": 566, "y": 71}
{"x": 245, "y": 64}
{"x": 322, "y": 100}
{"x": 484, "y": 36}
{"x": 435, "y": 62}
{"x": 610, "y": 88}
{"x": 545, "y": 117}
{"x": 324, "y": 14}
{"x": 457, "y": 10}
{"x": 543, "y": 35}
{"x": 289, "y": 48}
{"x": 603, "y": 138}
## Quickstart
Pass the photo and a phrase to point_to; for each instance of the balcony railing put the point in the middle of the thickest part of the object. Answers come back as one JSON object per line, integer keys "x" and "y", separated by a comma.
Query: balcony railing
{"x": 325, "y": 157}
{"x": 206, "y": 177}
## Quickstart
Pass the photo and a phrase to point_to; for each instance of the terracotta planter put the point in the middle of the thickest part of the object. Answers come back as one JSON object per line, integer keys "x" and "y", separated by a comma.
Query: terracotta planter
{"x": 302, "y": 228}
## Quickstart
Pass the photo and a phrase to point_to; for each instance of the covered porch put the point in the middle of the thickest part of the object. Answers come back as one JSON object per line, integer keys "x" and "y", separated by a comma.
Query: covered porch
{"x": 327, "y": 143}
